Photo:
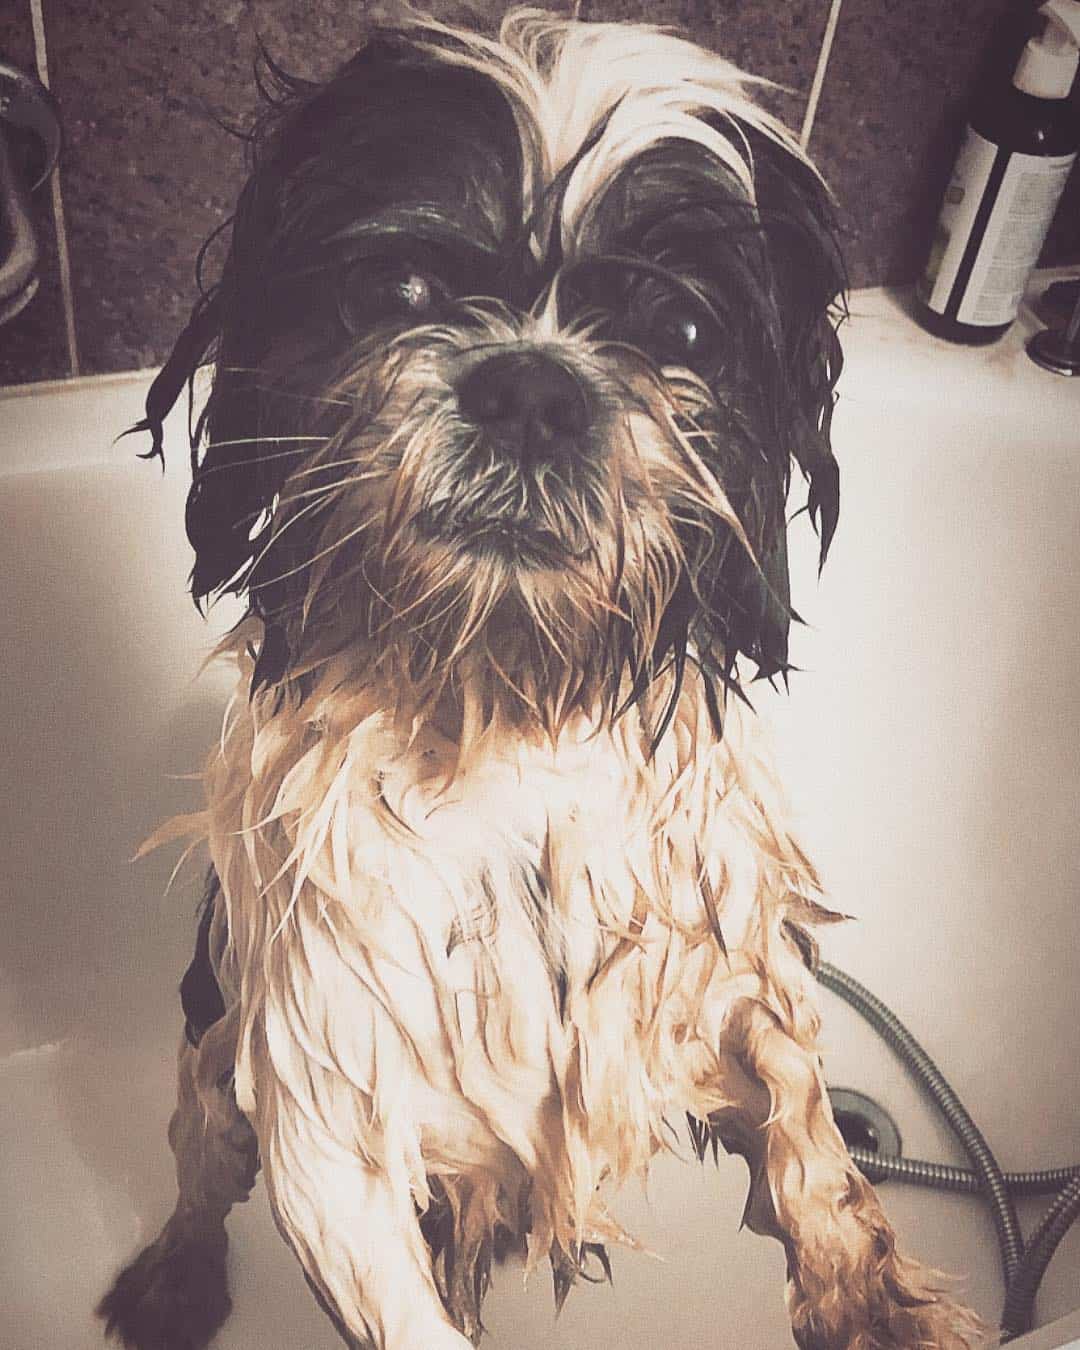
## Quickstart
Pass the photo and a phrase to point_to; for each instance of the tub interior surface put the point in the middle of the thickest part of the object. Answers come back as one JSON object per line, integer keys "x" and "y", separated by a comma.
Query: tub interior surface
{"x": 929, "y": 744}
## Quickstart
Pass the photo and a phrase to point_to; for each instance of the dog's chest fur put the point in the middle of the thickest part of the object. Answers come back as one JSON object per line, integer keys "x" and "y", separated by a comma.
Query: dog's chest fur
{"x": 503, "y": 971}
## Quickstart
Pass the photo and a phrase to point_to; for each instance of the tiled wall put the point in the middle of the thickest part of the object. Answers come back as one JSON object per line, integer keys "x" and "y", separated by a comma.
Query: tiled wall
{"x": 148, "y": 172}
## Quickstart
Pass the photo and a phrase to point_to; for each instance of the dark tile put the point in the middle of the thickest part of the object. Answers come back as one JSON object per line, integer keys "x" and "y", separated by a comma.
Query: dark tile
{"x": 17, "y": 35}
{"x": 147, "y": 173}
{"x": 899, "y": 87}
{"x": 33, "y": 345}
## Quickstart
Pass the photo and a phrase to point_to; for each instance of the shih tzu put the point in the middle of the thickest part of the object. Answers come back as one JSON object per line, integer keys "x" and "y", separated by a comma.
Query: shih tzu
{"x": 515, "y": 345}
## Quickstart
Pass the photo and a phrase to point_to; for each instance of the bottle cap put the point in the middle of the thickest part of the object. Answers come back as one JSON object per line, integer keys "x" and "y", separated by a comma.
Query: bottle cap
{"x": 1048, "y": 64}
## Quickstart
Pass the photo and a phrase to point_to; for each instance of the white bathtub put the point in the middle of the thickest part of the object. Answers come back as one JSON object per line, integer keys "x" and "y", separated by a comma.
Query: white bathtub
{"x": 932, "y": 745}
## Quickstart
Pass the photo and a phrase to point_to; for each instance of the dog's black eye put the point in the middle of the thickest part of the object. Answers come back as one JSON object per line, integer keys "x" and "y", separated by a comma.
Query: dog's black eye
{"x": 376, "y": 290}
{"x": 683, "y": 335}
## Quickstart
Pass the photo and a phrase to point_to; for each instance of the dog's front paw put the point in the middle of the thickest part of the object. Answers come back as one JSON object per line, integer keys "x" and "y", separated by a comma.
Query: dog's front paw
{"x": 945, "y": 1327}
{"x": 173, "y": 1296}
{"x": 897, "y": 1308}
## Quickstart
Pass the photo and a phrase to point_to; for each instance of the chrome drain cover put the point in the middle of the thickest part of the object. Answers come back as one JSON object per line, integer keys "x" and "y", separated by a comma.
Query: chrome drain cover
{"x": 863, "y": 1123}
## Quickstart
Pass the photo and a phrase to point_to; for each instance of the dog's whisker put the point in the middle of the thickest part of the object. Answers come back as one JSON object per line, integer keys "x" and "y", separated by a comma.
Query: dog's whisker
{"x": 266, "y": 440}
{"x": 275, "y": 539}
{"x": 396, "y": 611}
{"x": 278, "y": 393}
{"x": 283, "y": 501}
{"x": 308, "y": 562}
{"x": 240, "y": 465}
{"x": 334, "y": 488}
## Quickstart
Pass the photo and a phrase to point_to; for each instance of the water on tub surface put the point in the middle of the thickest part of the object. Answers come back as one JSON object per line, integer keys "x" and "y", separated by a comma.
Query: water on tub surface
{"x": 931, "y": 750}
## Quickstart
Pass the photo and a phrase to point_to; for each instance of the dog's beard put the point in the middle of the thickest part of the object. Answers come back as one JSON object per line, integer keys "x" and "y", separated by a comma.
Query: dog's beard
{"x": 413, "y": 545}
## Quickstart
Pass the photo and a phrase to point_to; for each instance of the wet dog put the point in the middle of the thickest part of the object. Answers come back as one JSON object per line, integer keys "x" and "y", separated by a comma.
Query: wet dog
{"x": 515, "y": 347}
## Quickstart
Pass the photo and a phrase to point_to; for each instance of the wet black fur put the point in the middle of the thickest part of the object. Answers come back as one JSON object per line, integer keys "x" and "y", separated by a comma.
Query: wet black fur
{"x": 173, "y": 1296}
{"x": 200, "y": 993}
{"x": 351, "y": 168}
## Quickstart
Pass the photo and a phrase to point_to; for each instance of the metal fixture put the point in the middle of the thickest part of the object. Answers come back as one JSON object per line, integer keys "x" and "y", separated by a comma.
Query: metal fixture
{"x": 1058, "y": 349}
{"x": 863, "y": 1124}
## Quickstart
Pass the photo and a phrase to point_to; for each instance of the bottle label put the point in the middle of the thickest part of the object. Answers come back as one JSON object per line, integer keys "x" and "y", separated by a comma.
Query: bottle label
{"x": 995, "y": 217}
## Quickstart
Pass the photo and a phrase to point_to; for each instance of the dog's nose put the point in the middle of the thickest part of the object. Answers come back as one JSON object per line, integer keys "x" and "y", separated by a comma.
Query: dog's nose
{"x": 533, "y": 407}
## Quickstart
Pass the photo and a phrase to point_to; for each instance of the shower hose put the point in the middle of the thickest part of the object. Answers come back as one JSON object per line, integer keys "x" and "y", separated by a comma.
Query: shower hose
{"x": 1023, "y": 1264}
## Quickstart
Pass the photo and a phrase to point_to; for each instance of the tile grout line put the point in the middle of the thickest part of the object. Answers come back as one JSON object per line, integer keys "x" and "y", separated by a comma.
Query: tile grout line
{"x": 37, "y": 19}
{"x": 819, "y": 73}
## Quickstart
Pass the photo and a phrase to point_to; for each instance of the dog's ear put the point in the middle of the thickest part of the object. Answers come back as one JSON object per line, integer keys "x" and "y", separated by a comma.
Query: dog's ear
{"x": 800, "y": 364}
{"x": 276, "y": 314}
{"x": 809, "y": 284}
{"x": 248, "y": 314}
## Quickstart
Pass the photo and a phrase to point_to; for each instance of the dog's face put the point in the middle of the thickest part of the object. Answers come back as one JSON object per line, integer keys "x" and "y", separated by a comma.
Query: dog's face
{"x": 516, "y": 342}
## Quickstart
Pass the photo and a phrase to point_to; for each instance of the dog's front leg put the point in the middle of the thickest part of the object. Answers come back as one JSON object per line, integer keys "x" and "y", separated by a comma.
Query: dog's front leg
{"x": 848, "y": 1288}
{"x": 174, "y": 1295}
{"x": 355, "y": 1235}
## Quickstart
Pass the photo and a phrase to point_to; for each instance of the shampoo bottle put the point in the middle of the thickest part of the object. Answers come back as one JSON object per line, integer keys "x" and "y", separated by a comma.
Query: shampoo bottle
{"x": 1015, "y": 157}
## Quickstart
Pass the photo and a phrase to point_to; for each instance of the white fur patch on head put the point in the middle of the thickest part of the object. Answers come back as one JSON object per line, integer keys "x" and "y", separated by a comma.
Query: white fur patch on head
{"x": 634, "y": 84}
